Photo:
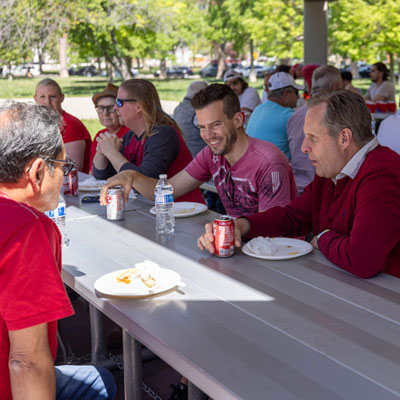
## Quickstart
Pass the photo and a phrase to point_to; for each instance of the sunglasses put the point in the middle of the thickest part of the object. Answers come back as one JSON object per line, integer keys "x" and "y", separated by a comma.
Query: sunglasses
{"x": 67, "y": 167}
{"x": 102, "y": 109}
{"x": 120, "y": 102}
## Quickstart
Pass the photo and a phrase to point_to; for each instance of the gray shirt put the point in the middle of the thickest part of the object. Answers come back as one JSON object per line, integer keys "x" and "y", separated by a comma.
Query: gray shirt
{"x": 302, "y": 168}
{"x": 185, "y": 117}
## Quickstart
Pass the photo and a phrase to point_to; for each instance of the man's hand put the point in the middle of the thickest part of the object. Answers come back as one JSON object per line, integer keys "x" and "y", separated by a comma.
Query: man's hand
{"x": 108, "y": 144}
{"x": 124, "y": 179}
{"x": 314, "y": 242}
{"x": 206, "y": 240}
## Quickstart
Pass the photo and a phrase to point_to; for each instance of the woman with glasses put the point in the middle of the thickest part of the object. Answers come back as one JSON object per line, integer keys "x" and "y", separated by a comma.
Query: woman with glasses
{"x": 104, "y": 103}
{"x": 153, "y": 146}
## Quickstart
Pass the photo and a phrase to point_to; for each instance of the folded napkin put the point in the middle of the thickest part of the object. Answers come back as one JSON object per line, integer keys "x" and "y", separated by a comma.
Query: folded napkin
{"x": 262, "y": 246}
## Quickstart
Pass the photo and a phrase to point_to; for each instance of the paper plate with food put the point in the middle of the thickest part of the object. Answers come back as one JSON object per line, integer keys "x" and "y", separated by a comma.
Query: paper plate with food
{"x": 279, "y": 248}
{"x": 90, "y": 185}
{"x": 144, "y": 279}
{"x": 185, "y": 209}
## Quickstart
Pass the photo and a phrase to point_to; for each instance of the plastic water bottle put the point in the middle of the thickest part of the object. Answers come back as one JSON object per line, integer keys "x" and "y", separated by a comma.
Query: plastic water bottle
{"x": 164, "y": 202}
{"x": 58, "y": 216}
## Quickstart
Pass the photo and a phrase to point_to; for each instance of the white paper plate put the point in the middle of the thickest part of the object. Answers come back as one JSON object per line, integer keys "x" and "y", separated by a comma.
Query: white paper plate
{"x": 108, "y": 284}
{"x": 91, "y": 186}
{"x": 287, "y": 248}
{"x": 185, "y": 209}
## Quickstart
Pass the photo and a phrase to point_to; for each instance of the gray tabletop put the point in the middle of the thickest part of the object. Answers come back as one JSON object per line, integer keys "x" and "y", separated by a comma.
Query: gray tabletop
{"x": 244, "y": 327}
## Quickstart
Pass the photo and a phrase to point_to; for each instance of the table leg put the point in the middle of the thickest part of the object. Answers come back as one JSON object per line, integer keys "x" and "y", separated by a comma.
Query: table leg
{"x": 195, "y": 393}
{"x": 97, "y": 336}
{"x": 132, "y": 367}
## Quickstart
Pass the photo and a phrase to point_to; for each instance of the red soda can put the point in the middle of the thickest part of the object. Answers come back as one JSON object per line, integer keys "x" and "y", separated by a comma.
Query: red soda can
{"x": 115, "y": 203}
{"x": 224, "y": 236}
{"x": 71, "y": 183}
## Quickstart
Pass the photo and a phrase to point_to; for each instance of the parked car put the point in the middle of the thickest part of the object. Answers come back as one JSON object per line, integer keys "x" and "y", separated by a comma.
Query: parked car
{"x": 364, "y": 71}
{"x": 88, "y": 71}
{"x": 176, "y": 72}
{"x": 23, "y": 70}
{"x": 211, "y": 69}
{"x": 261, "y": 71}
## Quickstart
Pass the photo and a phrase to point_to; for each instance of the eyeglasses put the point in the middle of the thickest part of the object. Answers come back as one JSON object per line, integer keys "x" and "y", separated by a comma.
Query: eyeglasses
{"x": 120, "y": 102}
{"x": 230, "y": 188}
{"x": 109, "y": 109}
{"x": 67, "y": 167}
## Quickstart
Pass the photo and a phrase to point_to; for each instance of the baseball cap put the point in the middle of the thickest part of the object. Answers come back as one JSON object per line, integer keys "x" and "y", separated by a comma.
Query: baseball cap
{"x": 109, "y": 91}
{"x": 231, "y": 74}
{"x": 281, "y": 80}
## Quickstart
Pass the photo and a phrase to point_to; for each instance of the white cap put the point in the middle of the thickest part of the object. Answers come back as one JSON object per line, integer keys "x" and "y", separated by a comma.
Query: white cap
{"x": 281, "y": 80}
{"x": 231, "y": 74}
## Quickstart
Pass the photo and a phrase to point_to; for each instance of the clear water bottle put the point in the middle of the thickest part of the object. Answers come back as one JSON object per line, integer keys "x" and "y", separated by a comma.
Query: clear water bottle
{"x": 58, "y": 216}
{"x": 164, "y": 202}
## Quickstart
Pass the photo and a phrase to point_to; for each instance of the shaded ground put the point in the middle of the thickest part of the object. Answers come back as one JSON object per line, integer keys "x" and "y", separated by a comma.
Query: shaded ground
{"x": 76, "y": 334}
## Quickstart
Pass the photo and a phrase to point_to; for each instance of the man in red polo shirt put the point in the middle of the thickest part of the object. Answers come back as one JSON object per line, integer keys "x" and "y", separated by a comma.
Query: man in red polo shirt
{"x": 353, "y": 204}
{"x": 76, "y": 137}
{"x": 32, "y": 296}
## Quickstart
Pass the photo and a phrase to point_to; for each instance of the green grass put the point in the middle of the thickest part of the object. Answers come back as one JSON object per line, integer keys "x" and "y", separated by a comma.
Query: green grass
{"x": 93, "y": 126}
{"x": 168, "y": 89}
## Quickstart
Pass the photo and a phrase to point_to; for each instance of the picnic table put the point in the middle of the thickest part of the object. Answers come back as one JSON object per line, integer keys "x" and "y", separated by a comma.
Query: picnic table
{"x": 242, "y": 327}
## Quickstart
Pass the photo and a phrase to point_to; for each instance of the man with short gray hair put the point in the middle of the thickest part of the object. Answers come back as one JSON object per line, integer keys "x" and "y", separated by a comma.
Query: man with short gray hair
{"x": 324, "y": 78}
{"x": 32, "y": 296}
{"x": 353, "y": 204}
{"x": 268, "y": 121}
{"x": 76, "y": 137}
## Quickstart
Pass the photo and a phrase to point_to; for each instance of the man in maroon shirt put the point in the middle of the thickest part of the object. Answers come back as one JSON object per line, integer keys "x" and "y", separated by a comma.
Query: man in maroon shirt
{"x": 353, "y": 204}
{"x": 32, "y": 295}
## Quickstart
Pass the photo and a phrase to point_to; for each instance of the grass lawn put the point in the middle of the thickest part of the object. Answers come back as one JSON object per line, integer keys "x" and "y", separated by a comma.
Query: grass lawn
{"x": 93, "y": 126}
{"x": 169, "y": 89}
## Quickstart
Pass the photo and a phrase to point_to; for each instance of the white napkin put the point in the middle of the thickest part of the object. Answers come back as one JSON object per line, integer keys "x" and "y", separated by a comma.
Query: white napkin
{"x": 262, "y": 246}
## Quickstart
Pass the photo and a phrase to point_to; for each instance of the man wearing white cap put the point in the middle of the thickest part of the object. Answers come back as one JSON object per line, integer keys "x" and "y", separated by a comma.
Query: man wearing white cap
{"x": 268, "y": 121}
{"x": 248, "y": 97}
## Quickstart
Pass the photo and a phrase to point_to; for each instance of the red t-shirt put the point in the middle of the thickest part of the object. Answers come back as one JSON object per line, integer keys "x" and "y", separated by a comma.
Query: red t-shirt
{"x": 75, "y": 130}
{"x": 93, "y": 148}
{"x": 31, "y": 289}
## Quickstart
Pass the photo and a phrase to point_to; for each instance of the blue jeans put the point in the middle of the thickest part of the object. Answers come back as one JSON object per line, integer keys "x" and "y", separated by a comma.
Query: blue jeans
{"x": 84, "y": 382}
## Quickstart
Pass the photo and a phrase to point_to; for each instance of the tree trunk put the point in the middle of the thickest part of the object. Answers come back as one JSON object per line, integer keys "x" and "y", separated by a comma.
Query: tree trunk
{"x": 354, "y": 70}
{"x": 253, "y": 74}
{"x": 63, "y": 55}
{"x": 40, "y": 58}
{"x": 392, "y": 77}
{"x": 221, "y": 61}
{"x": 163, "y": 68}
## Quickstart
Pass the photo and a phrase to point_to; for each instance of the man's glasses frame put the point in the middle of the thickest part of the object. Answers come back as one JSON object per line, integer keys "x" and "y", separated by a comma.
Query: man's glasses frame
{"x": 110, "y": 109}
{"x": 69, "y": 164}
{"x": 120, "y": 102}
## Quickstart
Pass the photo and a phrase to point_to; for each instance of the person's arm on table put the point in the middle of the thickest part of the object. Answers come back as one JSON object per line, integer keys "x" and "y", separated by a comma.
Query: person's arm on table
{"x": 31, "y": 365}
{"x": 76, "y": 151}
{"x": 375, "y": 231}
{"x": 182, "y": 183}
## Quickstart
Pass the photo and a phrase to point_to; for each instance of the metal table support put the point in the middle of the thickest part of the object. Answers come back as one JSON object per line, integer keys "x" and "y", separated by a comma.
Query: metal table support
{"x": 97, "y": 336}
{"x": 132, "y": 367}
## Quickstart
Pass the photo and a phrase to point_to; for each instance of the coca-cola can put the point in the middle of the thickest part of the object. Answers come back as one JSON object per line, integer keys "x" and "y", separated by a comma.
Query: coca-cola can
{"x": 71, "y": 183}
{"x": 115, "y": 203}
{"x": 224, "y": 236}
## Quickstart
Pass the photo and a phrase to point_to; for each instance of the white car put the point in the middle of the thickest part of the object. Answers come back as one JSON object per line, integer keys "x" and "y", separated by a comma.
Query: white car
{"x": 27, "y": 70}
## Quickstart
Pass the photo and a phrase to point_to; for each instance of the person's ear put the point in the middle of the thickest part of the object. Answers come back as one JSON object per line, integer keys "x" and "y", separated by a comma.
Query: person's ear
{"x": 238, "y": 119}
{"x": 345, "y": 138}
{"x": 36, "y": 173}
{"x": 62, "y": 97}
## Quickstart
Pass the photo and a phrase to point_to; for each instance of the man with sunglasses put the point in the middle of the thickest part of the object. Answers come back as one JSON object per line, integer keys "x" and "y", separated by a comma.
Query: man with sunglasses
{"x": 268, "y": 121}
{"x": 250, "y": 175}
{"x": 32, "y": 296}
{"x": 76, "y": 137}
